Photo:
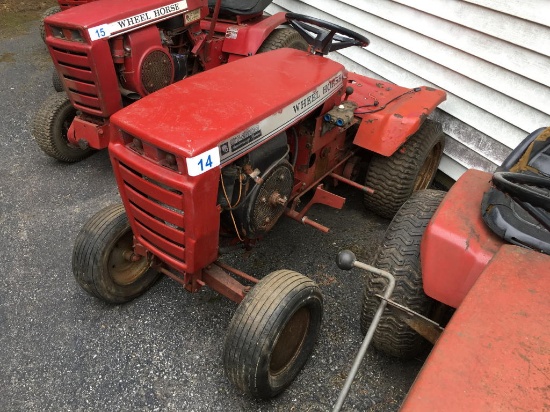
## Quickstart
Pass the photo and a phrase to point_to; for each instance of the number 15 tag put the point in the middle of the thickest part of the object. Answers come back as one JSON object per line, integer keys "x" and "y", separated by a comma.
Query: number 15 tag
{"x": 204, "y": 162}
{"x": 99, "y": 32}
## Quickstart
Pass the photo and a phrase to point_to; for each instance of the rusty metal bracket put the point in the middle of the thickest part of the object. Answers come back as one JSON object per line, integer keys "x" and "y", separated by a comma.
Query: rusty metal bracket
{"x": 426, "y": 327}
{"x": 320, "y": 196}
{"x": 219, "y": 280}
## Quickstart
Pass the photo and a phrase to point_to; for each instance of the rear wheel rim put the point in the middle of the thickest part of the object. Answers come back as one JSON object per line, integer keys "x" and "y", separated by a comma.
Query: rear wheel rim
{"x": 428, "y": 169}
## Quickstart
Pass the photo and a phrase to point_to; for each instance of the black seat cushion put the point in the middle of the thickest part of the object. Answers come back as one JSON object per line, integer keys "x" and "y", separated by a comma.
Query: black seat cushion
{"x": 512, "y": 217}
{"x": 241, "y": 6}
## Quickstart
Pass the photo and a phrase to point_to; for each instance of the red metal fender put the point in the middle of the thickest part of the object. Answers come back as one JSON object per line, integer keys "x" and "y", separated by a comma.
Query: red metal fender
{"x": 398, "y": 115}
{"x": 457, "y": 245}
{"x": 245, "y": 40}
{"x": 494, "y": 353}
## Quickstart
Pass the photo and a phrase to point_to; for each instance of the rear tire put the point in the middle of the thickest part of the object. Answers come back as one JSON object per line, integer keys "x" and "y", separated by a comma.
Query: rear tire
{"x": 272, "y": 333}
{"x": 100, "y": 258}
{"x": 50, "y": 127}
{"x": 48, "y": 12}
{"x": 411, "y": 168}
{"x": 399, "y": 254}
{"x": 283, "y": 38}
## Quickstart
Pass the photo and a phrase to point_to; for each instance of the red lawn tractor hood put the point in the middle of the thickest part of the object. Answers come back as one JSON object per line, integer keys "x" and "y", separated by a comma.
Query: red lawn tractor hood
{"x": 235, "y": 106}
{"x": 119, "y": 16}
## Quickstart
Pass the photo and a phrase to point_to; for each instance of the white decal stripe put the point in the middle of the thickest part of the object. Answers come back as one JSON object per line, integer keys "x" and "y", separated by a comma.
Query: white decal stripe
{"x": 151, "y": 16}
{"x": 273, "y": 124}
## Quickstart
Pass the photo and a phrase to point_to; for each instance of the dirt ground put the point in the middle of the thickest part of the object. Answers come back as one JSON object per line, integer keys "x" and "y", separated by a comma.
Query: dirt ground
{"x": 15, "y": 15}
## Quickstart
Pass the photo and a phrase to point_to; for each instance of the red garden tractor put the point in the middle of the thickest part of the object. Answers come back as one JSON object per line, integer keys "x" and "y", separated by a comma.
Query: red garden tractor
{"x": 108, "y": 57}
{"x": 482, "y": 249}
{"x": 230, "y": 151}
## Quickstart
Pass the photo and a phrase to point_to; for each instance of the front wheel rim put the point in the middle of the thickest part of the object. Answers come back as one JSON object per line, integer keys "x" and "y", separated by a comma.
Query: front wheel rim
{"x": 122, "y": 270}
{"x": 290, "y": 342}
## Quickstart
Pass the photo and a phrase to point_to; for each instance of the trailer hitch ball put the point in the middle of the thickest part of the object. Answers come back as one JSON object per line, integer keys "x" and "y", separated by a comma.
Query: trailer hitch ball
{"x": 345, "y": 259}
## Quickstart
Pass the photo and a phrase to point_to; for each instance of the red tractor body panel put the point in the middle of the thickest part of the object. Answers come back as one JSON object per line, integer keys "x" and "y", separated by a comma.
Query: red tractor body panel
{"x": 119, "y": 17}
{"x": 172, "y": 215}
{"x": 382, "y": 133}
{"x": 495, "y": 352}
{"x": 85, "y": 61}
{"x": 457, "y": 245}
{"x": 253, "y": 91}
{"x": 78, "y": 41}
{"x": 91, "y": 86}
{"x": 202, "y": 134}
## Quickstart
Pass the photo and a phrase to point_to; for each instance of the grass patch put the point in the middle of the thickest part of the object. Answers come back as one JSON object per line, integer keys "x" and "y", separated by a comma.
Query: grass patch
{"x": 15, "y": 16}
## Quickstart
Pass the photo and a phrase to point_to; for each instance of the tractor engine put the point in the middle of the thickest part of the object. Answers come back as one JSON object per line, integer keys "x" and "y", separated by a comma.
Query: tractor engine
{"x": 152, "y": 58}
{"x": 255, "y": 189}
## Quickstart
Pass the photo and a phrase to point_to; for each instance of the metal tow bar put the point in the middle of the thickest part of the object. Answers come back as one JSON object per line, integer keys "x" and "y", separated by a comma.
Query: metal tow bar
{"x": 346, "y": 260}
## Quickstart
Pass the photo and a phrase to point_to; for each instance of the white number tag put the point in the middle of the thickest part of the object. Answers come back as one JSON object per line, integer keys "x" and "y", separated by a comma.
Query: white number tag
{"x": 202, "y": 163}
{"x": 99, "y": 32}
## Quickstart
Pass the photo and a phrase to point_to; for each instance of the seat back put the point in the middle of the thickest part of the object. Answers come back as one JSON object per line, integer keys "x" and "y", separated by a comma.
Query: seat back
{"x": 512, "y": 207}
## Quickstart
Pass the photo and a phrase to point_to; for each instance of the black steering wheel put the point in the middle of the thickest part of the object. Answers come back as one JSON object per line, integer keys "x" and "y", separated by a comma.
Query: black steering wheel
{"x": 329, "y": 36}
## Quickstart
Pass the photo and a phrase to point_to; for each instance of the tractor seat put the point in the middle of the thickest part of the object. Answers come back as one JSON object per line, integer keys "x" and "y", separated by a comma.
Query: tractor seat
{"x": 241, "y": 7}
{"x": 517, "y": 207}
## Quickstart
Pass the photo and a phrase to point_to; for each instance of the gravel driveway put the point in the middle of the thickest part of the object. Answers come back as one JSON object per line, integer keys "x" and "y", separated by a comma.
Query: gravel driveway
{"x": 63, "y": 350}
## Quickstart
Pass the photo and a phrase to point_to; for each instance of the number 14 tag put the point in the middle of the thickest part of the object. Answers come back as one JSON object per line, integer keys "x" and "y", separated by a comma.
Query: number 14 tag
{"x": 204, "y": 162}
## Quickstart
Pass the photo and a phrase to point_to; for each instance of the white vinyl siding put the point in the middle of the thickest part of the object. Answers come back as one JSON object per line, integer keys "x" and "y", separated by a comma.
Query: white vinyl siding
{"x": 492, "y": 57}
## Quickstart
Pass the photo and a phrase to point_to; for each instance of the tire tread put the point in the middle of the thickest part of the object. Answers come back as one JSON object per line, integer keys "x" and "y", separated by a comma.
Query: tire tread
{"x": 281, "y": 38}
{"x": 399, "y": 254}
{"x": 44, "y": 125}
{"x": 393, "y": 178}
{"x": 255, "y": 321}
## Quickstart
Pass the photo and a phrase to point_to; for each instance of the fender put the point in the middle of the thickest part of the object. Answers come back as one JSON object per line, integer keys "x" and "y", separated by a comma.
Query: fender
{"x": 385, "y": 131}
{"x": 246, "y": 40}
{"x": 457, "y": 245}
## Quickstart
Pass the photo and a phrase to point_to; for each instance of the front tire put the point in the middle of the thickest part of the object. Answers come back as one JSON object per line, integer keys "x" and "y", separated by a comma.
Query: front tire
{"x": 411, "y": 168}
{"x": 50, "y": 127}
{"x": 283, "y": 38}
{"x": 399, "y": 254}
{"x": 48, "y": 12}
{"x": 57, "y": 83}
{"x": 272, "y": 333}
{"x": 102, "y": 263}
